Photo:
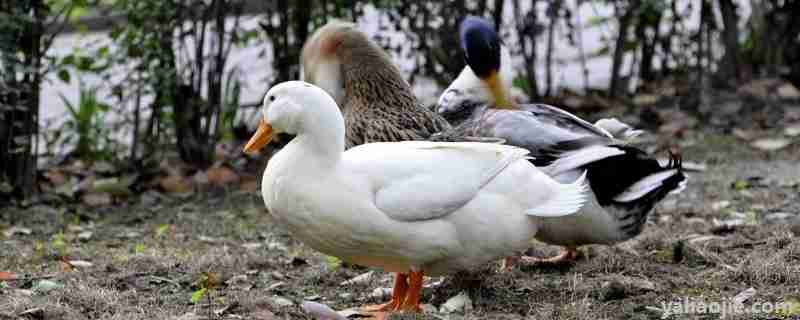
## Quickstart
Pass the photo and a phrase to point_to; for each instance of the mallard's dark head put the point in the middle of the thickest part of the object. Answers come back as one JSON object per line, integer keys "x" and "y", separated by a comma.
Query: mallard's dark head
{"x": 481, "y": 46}
{"x": 482, "y": 51}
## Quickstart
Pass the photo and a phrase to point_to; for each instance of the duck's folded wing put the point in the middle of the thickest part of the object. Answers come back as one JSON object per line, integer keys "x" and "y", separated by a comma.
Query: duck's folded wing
{"x": 419, "y": 180}
{"x": 563, "y": 119}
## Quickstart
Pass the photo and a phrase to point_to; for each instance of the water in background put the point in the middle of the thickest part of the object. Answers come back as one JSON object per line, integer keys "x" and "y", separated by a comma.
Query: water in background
{"x": 255, "y": 71}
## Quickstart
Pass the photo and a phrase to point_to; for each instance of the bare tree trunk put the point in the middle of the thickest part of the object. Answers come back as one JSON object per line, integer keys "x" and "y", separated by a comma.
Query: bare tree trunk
{"x": 552, "y": 14}
{"x": 581, "y": 52}
{"x": 619, "y": 47}
{"x": 666, "y": 42}
{"x": 497, "y": 14}
{"x": 20, "y": 79}
{"x": 729, "y": 66}
{"x": 136, "y": 115}
{"x": 652, "y": 23}
{"x": 527, "y": 35}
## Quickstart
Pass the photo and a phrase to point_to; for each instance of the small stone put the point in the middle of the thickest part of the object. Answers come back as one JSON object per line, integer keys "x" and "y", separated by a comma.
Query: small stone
{"x": 313, "y": 297}
{"x": 794, "y": 226}
{"x": 362, "y": 278}
{"x": 131, "y": 235}
{"x": 275, "y": 285}
{"x": 719, "y": 205}
{"x": 345, "y": 295}
{"x": 277, "y": 275}
{"x": 381, "y": 293}
{"x": 777, "y": 217}
{"x": 44, "y": 286}
{"x": 461, "y": 303}
{"x": 15, "y": 231}
{"x": 80, "y": 263}
{"x": 272, "y": 246}
{"x": 320, "y": 311}
{"x": 792, "y": 130}
{"x": 85, "y": 235}
{"x": 702, "y": 239}
{"x": 96, "y": 199}
{"x": 428, "y": 308}
{"x": 744, "y": 295}
{"x": 612, "y": 290}
{"x": 788, "y": 91}
{"x": 771, "y": 144}
{"x": 282, "y": 302}
{"x": 252, "y": 245}
{"x": 237, "y": 279}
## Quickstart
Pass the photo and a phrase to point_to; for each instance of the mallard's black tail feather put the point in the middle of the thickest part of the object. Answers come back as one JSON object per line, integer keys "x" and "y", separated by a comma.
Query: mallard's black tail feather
{"x": 629, "y": 185}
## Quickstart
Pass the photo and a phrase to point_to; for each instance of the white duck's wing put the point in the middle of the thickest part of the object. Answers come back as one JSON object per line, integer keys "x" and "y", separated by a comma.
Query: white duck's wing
{"x": 419, "y": 180}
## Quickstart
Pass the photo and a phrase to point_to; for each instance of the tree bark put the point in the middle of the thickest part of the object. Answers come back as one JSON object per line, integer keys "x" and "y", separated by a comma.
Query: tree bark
{"x": 525, "y": 24}
{"x": 729, "y": 66}
{"x": 619, "y": 47}
{"x": 19, "y": 100}
{"x": 552, "y": 14}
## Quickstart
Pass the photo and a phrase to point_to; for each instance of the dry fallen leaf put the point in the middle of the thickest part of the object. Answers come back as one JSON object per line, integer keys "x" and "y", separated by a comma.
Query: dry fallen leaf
{"x": 221, "y": 176}
{"x": 55, "y": 177}
{"x": 175, "y": 183}
{"x": 96, "y": 199}
{"x": 249, "y": 184}
{"x": 7, "y": 276}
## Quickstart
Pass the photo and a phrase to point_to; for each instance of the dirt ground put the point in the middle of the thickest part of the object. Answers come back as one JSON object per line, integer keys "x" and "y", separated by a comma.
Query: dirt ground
{"x": 735, "y": 227}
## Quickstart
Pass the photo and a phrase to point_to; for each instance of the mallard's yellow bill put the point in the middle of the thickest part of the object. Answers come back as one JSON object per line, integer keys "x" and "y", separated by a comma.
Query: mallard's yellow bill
{"x": 501, "y": 99}
{"x": 260, "y": 139}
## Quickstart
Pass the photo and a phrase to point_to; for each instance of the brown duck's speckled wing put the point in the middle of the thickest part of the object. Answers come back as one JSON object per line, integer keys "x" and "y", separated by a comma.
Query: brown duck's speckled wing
{"x": 390, "y": 124}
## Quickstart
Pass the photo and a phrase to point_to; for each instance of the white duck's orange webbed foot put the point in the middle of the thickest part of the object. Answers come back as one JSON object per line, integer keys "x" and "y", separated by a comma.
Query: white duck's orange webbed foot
{"x": 411, "y": 303}
{"x": 568, "y": 256}
{"x": 398, "y": 296}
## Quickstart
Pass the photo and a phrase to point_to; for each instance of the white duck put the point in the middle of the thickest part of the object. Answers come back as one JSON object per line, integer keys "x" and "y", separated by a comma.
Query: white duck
{"x": 626, "y": 183}
{"x": 403, "y": 206}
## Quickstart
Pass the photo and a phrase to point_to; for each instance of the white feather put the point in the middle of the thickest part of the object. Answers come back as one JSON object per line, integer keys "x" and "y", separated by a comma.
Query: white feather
{"x": 569, "y": 199}
{"x": 575, "y": 159}
{"x": 644, "y": 186}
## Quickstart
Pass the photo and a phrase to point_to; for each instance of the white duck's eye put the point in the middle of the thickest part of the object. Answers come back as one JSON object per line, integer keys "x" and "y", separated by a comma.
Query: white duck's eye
{"x": 271, "y": 98}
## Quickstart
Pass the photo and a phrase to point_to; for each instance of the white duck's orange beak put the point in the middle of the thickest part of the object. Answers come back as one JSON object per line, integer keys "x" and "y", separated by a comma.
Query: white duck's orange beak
{"x": 260, "y": 139}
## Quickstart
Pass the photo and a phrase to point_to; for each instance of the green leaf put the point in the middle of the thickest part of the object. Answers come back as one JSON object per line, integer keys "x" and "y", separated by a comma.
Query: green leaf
{"x": 103, "y": 51}
{"x": 63, "y": 74}
{"x": 78, "y": 12}
{"x": 139, "y": 248}
{"x": 198, "y": 294}
{"x": 333, "y": 262}
{"x": 85, "y": 63}
{"x": 162, "y": 230}
{"x": 68, "y": 60}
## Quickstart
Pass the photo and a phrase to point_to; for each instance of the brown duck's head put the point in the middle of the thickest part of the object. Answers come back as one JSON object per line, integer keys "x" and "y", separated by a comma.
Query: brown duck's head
{"x": 339, "y": 46}
{"x": 321, "y": 59}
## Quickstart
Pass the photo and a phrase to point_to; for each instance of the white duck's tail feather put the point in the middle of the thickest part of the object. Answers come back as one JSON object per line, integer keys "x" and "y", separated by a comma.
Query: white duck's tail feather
{"x": 567, "y": 199}
{"x": 647, "y": 184}
{"x": 571, "y": 160}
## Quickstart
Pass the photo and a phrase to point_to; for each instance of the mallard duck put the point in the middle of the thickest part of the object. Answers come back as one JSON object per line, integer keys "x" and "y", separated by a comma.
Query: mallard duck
{"x": 400, "y": 206}
{"x": 625, "y": 182}
{"x": 376, "y": 101}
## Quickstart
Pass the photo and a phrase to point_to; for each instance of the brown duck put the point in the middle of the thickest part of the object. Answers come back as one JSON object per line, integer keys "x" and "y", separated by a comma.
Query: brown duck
{"x": 376, "y": 101}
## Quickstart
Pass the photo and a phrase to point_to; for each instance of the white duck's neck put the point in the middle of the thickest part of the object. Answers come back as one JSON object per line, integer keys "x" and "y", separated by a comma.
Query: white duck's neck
{"x": 321, "y": 139}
